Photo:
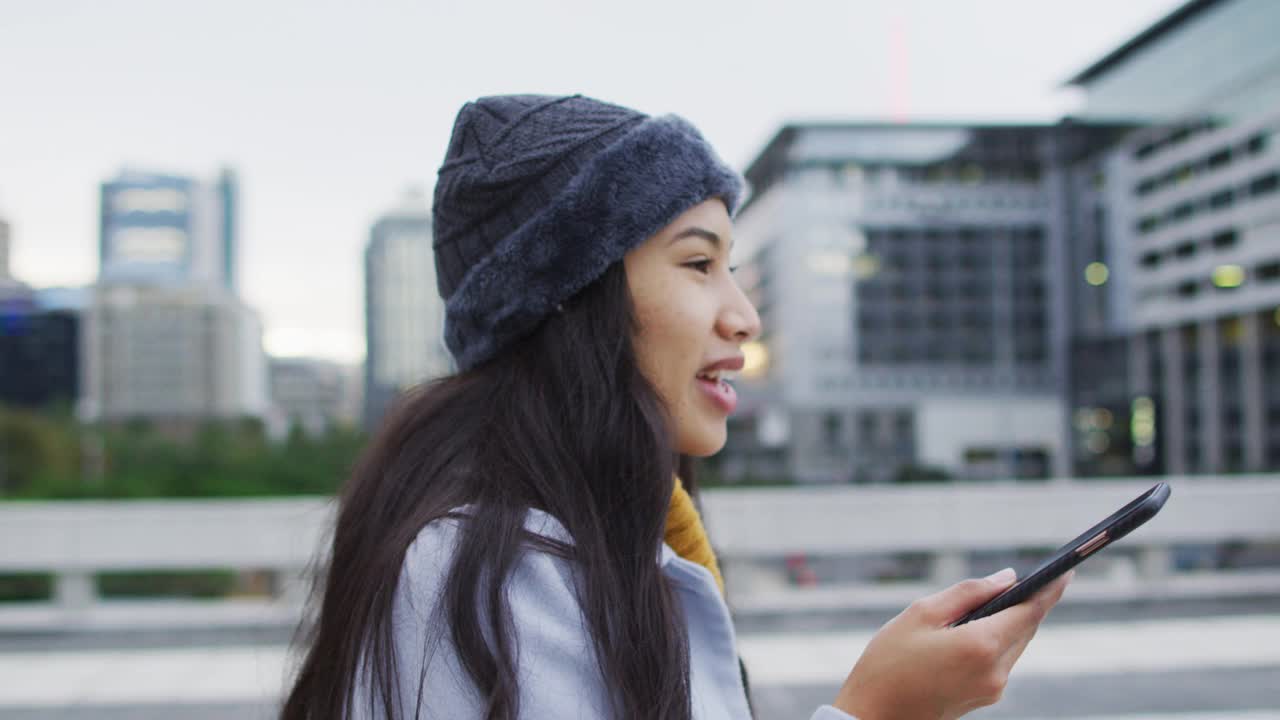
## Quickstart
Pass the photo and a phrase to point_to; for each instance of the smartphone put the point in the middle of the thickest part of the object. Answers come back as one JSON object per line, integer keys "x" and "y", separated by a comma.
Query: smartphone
{"x": 1121, "y": 523}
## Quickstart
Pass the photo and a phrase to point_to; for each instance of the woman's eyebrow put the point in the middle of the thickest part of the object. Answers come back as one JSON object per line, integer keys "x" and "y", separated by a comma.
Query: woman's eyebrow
{"x": 703, "y": 233}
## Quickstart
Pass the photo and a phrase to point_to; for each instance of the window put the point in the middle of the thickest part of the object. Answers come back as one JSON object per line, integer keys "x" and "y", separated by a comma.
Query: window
{"x": 1256, "y": 144}
{"x": 1264, "y": 184}
{"x": 831, "y": 429}
{"x": 1150, "y": 260}
{"x": 1150, "y": 294}
{"x": 1148, "y": 224}
{"x": 902, "y": 423}
{"x": 1222, "y": 199}
{"x": 1269, "y": 272}
{"x": 1182, "y": 211}
{"x": 903, "y": 320}
{"x": 1188, "y": 289}
{"x": 1185, "y": 250}
{"x": 1224, "y": 240}
{"x": 1220, "y": 158}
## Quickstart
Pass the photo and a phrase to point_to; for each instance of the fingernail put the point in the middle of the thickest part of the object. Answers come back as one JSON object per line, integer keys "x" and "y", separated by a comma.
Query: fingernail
{"x": 1003, "y": 576}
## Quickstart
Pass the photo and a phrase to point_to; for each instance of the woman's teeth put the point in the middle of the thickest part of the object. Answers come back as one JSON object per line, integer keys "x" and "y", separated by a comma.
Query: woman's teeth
{"x": 716, "y": 376}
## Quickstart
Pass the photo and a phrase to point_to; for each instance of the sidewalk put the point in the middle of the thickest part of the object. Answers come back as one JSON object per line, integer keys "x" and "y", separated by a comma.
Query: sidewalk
{"x": 63, "y": 679}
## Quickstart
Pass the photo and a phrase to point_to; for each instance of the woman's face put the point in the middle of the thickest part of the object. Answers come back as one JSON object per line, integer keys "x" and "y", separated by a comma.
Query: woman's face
{"x": 693, "y": 319}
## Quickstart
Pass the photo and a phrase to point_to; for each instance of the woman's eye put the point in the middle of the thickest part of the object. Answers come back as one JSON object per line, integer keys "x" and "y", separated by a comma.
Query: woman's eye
{"x": 702, "y": 266}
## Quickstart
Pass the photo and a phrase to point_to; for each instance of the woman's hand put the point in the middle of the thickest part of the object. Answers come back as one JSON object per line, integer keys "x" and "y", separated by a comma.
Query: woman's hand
{"x": 917, "y": 668}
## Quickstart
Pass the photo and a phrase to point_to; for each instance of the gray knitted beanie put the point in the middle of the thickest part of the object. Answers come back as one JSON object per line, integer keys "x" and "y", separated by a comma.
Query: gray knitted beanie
{"x": 539, "y": 195}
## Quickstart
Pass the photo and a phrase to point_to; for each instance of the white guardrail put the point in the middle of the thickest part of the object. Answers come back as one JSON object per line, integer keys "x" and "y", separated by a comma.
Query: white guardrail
{"x": 752, "y": 529}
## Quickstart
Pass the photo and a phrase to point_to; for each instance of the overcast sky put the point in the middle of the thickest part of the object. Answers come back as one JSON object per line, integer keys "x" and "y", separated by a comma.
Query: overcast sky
{"x": 329, "y": 110}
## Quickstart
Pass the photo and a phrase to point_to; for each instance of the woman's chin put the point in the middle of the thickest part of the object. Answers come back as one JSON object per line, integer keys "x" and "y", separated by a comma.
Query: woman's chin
{"x": 705, "y": 443}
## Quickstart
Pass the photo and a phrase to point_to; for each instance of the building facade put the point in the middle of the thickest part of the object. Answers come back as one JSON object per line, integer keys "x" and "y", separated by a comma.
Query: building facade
{"x": 4, "y": 250}
{"x": 310, "y": 394}
{"x": 404, "y": 315}
{"x": 165, "y": 336}
{"x": 39, "y": 353}
{"x": 1193, "y": 330}
{"x": 171, "y": 353}
{"x": 167, "y": 229}
{"x": 913, "y": 319}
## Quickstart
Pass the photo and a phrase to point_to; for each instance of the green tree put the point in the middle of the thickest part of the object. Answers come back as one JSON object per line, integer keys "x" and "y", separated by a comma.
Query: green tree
{"x": 33, "y": 448}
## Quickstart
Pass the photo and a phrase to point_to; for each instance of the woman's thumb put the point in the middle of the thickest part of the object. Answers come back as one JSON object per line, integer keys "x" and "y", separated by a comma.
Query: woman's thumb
{"x": 952, "y": 603}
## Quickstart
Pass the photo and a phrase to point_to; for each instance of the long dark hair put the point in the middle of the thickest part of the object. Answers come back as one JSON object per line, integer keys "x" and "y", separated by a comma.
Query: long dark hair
{"x": 563, "y": 422}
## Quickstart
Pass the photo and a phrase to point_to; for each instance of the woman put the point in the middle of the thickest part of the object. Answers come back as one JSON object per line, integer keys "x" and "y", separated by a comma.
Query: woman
{"x": 519, "y": 541}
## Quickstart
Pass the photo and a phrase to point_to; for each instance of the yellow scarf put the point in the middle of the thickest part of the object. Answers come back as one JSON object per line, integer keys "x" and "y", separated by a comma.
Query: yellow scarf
{"x": 686, "y": 535}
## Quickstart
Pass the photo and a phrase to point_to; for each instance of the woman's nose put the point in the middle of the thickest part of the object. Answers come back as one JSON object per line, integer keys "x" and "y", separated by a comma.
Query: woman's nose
{"x": 740, "y": 321}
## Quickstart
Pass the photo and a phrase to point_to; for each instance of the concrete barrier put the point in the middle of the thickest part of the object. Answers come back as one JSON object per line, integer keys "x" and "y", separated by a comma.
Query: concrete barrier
{"x": 750, "y": 527}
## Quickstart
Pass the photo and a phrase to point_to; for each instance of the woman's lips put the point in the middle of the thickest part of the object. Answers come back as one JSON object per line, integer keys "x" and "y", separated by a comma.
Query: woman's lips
{"x": 720, "y": 393}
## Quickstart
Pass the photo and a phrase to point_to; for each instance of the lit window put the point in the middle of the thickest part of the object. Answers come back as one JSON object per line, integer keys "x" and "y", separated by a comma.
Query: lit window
{"x": 755, "y": 359}
{"x": 1096, "y": 273}
{"x": 1142, "y": 422}
{"x": 865, "y": 266}
{"x": 1228, "y": 276}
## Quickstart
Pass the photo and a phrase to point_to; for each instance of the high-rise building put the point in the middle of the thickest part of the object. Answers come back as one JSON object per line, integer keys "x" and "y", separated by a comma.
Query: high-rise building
{"x": 1180, "y": 372}
{"x": 168, "y": 229}
{"x": 913, "y": 320}
{"x": 4, "y": 249}
{"x": 165, "y": 334}
{"x": 310, "y": 394}
{"x": 228, "y": 195}
{"x": 404, "y": 315}
{"x": 171, "y": 353}
{"x": 39, "y": 356}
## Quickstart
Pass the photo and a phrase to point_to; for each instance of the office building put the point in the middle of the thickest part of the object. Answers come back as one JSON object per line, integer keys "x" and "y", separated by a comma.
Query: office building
{"x": 404, "y": 315}
{"x": 171, "y": 354}
{"x": 165, "y": 335}
{"x": 913, "y": 322}
{"x": 1192, "y": 329}
{"x": 4, "y": 250}
{"x": 39, "y": 358}
{"x": 167, "y": 229}
{"x": 310, "y": 394}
